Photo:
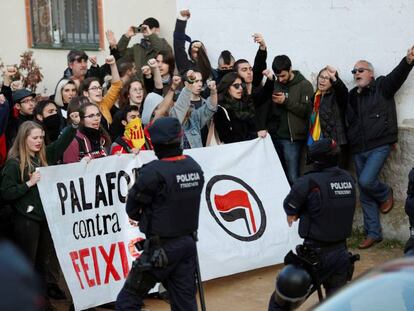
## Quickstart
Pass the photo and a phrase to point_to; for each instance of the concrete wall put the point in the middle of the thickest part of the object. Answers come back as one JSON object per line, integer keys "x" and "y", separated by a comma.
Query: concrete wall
{"x": 117, "y": 15}
{"x": 313, "y": 34}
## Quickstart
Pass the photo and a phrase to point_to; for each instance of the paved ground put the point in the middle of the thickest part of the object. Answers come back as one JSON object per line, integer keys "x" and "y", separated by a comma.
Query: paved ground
{"x": 251, "y": 290}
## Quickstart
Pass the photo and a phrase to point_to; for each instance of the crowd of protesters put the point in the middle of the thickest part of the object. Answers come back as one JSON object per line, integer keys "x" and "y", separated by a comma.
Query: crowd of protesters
{"x": 91, "y": 116}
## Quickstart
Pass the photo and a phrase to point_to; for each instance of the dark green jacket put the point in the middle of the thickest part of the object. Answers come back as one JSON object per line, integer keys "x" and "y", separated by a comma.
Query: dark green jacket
{"x": 142, "y": 54}
{"x": 289, "y": 120}
{"x": 16, "y": 191}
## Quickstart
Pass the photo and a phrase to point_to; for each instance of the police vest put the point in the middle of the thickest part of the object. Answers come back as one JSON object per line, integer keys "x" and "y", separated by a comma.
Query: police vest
{"x": 330, "y": 208}
{"x": 175, "y": 209}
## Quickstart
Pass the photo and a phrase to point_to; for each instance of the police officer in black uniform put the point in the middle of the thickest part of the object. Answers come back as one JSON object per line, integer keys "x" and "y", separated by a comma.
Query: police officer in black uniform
{"x": 165, "y": 200}
{"x": 409, "y": 210}
{"x": 324, "y": 202}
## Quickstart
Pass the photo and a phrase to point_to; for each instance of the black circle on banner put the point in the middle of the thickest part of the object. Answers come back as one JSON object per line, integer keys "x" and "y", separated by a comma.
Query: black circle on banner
{"x": 262, "y": 227}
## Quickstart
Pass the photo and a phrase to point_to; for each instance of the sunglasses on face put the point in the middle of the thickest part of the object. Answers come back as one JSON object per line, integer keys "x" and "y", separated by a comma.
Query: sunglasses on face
{"x": 80, "y": 59}
{"x": 237, "y": 85}
{"x": 359, "y": 70}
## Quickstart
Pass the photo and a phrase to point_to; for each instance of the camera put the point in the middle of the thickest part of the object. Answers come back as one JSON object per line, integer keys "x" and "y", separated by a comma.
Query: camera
{"x": 138, "y": 29}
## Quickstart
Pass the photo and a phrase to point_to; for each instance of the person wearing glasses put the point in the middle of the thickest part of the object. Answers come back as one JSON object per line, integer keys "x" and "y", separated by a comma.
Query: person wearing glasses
{"x": 24, "y": 102}
{"x": 92, "y": 89}
{"x": 91, "y": 140}
{"x": 327, "y": 116}
{"x": 372, "y": 130}
{"x": 133, "y": 93}
{"x": 235, "y": 117}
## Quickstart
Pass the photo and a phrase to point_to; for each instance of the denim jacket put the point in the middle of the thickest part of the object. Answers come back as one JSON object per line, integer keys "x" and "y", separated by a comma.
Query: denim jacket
{"x": 198, "y": 118}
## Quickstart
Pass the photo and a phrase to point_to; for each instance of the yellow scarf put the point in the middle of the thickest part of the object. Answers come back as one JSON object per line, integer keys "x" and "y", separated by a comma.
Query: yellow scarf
{"x": 135, "y": 133}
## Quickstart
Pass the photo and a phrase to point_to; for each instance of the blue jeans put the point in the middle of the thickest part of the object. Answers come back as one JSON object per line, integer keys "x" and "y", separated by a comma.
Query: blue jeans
{"x": 289, "y": 155}
{"x": 368, "y": 165}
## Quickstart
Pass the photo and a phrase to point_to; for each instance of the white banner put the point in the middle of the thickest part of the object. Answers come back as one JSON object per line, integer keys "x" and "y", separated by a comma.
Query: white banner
{"x": 242, "y": 222}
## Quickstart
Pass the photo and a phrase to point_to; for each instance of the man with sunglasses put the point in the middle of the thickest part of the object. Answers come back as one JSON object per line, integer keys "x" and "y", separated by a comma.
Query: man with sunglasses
{"x": 372, "y": 130}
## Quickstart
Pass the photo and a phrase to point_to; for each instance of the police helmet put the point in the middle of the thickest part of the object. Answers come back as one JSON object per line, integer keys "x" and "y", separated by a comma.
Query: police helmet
{"x": 165, "y": 130}
{"x": 293, "y": 286}
{"x": 323, "y": 151}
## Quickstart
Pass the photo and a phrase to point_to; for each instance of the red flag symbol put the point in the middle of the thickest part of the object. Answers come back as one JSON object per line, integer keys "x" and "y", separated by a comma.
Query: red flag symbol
{"x": 232, "y": 201}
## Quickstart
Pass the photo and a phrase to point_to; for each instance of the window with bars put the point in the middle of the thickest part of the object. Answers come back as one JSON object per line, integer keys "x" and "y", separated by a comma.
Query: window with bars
{"x": 68, "y": 24}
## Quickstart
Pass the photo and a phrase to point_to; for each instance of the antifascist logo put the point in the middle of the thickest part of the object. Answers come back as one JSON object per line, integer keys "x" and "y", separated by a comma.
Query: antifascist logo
{"x": 236, "y": 207}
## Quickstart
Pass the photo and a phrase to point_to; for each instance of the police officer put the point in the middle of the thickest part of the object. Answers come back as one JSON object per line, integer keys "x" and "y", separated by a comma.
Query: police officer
{"x": 165, "y": 200}
{"x": 324, "y": 201}
{"x": 409, "y": 210}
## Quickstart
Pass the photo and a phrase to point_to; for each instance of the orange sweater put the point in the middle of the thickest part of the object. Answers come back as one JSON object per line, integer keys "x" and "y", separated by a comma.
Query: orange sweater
{"x": 109, "y": 100}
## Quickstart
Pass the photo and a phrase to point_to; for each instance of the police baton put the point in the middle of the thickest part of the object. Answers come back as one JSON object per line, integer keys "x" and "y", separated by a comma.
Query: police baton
{"x": 198, "y": 278}
{"x": 200, "y": 286}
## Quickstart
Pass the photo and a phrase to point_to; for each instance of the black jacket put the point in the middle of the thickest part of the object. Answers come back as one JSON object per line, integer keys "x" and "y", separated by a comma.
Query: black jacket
{"x": 371, "y": 114}
{"x": 232, "y": 129}
{"x": 331, "y": 112}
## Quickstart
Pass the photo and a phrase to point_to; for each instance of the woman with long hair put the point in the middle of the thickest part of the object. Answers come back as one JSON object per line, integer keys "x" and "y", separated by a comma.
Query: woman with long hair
{"x": 166, "y": 65}
{"x": 197, "y": 54}
{"x": 19, "y": 186}
{"x": 92, "y": 89}
{"x": 235, "y": 116}
{"x": 91, "y": 140}
{"x": 132, "y": 94}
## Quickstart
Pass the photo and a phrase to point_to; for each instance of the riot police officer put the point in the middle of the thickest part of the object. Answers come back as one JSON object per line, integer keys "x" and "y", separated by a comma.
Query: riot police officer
{"x": 165, "y": 200}
{"x": 324, "y": 202}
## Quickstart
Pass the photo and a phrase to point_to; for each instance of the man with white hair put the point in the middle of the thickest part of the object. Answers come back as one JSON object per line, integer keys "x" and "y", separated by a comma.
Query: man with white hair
{"x": 372, "y": 130}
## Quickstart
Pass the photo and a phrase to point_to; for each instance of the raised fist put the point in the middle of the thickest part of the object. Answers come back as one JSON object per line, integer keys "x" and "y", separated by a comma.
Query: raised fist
{"x": 191, "y": 76}
{"x": 176, "y": 81}
{"x": 410, "y": 55}
{"x": 185, "y": 13}
{"x": 146, "y": 70}
{"x": 152, "y": 63}
{"x": 258, "y": 38}
{"x": 268, "y": 74}
{"x": 130, "y": 32}
{"x": 93, "y": 60}
{"x": 211, "y": 85}
{"x": 110, "y": 60}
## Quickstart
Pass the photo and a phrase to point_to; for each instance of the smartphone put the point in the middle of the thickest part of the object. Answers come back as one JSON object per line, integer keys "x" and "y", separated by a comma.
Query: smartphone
{"x": 278, "y": 88}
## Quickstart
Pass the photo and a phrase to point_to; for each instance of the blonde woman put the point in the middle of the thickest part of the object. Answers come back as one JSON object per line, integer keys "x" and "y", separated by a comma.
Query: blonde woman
{"x": 19, "y": 186}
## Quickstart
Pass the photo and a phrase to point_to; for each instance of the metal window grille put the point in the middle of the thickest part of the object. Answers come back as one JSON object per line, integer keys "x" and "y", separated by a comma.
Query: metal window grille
{"x": 65, "y": 24}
